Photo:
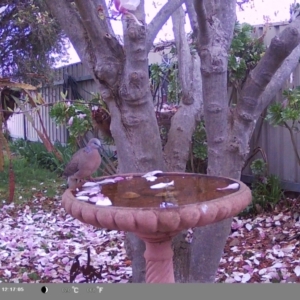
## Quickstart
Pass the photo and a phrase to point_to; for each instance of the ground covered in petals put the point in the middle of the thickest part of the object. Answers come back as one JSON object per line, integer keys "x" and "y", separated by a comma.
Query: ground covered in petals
{"x": 39, "y": 242}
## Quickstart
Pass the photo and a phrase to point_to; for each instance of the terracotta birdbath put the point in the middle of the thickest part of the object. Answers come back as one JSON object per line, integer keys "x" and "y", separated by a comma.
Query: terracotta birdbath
{"x": 156, "y": 214}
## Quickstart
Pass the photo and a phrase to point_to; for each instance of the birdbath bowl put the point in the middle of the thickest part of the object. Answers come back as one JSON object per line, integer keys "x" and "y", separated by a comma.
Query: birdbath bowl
{"x": 156, "y": 215}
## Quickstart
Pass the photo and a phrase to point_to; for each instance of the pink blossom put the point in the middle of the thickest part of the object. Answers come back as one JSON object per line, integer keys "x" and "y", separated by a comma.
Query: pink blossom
{"x": 81, "y": 116}
{"x": 70, "y": 122}
{"x": 123, "y": 7}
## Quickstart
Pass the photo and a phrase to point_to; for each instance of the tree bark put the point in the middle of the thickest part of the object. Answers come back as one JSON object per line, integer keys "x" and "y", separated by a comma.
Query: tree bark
{"x": 282, "y": 74}
{"x": 216, "y": 21}
{"x": 183, "y": 123}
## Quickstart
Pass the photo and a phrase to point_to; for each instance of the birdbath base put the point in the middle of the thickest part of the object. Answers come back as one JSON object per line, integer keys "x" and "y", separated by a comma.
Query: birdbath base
{"x": 159, "y": 258}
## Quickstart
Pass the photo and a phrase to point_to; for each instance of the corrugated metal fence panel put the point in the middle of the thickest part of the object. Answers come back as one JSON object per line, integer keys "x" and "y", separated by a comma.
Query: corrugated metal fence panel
{"x": 269, "y": 30}
{"x": 15, "y": 126}
{"x": 55, "y": 133}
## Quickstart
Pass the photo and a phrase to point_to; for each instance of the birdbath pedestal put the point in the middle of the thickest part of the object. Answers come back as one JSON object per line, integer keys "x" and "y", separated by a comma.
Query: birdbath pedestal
{"x": 156, "y": 215}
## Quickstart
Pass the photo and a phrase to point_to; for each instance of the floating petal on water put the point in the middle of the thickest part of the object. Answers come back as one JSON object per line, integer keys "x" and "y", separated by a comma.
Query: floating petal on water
{"x": 105, "y": 181}
{"x": 130, "y": 195}
{"x": 104, "y": 202}
{"x": 152, "y": 173}
{"x": 119, "y": 178}
{"x": 97, "y": 197}
{"x": 82, "y": 193}
{"x": 92, "y": 194}
{"x": 162, "y": 185}
{"x": 151, "y": 178}
{"x": 82, "y": 198}
{"x": 232, "y": 186}
{"x": 89, "y": 184}
{"x": 94, "y": 199}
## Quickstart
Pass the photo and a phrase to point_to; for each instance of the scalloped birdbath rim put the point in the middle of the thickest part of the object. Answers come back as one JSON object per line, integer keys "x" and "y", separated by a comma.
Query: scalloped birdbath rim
{"x": 154, "y": 220}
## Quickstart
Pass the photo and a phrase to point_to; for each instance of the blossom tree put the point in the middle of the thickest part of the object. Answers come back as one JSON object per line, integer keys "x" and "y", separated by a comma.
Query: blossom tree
{"x": 121, "y": 72}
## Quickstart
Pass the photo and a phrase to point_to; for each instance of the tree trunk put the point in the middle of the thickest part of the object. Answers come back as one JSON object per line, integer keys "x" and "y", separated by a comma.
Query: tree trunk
{"x": 135, "y": 249}
{"x": 198, "y": 261}
{"x": 183, "y": 123}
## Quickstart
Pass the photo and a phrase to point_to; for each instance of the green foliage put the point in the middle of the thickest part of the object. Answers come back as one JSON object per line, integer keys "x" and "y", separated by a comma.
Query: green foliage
{"x": 29, "y": 36}
{"x": 157, "y": 73}
{"x": 266, "y": 190}
{"x": 76, "y": 116}
{"x": 35, "y": 153}
{"x": 266, "y": 193}
{"x": 30, "y": 179}
{"x": 275, "y": 114}
{"x": 287, "y": 114}
{"x": 160, "y": 73}
{"x": 258, "y": 167}
{"x": 174, "y": 90}
{"x": 245, "y": 52}
{"x": 197, "y": 163}
{"x": 279, "y": 114}
{"x": 199, "y": 142}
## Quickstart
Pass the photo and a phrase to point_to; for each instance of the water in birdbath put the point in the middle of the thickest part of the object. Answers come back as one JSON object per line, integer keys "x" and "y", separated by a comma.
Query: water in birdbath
{"x": 163, "y": 190}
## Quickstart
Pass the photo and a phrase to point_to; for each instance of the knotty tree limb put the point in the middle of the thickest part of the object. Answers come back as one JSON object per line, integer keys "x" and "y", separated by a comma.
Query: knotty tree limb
{"x": 216, "y": 21}
{"x": 245, "y": 115}
{"x": 160, "y": 19}
{"x": 183, "y": 123}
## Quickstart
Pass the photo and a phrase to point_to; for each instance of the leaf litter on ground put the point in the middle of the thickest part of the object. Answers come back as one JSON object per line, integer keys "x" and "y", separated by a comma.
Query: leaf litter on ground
{"x": 39, "y": 242}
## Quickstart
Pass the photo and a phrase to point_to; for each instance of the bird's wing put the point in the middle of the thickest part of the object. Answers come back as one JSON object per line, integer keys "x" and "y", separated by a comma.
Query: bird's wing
{"x": 89, "y": 162}
{"x": 73, "y": 166}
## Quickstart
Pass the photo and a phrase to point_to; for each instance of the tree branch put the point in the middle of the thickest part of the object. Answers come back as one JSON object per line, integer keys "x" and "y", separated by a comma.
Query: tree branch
{"x": 214, "y": 42}
{"x": 241, "y": 3}
{"x": 70, "y": 21}
{"x": 103, "y": 6}
{"x": 159, "y": 20}
{"x": 134, "y": 88}
{"x": 92, "y": 40}
{"x": 279, "y": 78}
{"x": 184, "y": 56}
{"x": 179, "y": 141}
{"x": 192, "y": 17}
{"x": 280, "y": 48}
{"x": 201, "y": 16}
{"x": 249, "y": 106}
{"x": 98, "y": 30}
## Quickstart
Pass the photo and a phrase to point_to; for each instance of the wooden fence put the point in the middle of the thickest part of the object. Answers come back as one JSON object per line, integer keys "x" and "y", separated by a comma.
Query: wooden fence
{"x": 275, "y": 142}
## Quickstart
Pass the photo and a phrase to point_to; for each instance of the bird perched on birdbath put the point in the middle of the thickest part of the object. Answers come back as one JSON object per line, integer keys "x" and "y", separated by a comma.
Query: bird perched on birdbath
{"x": 83, "y": 164}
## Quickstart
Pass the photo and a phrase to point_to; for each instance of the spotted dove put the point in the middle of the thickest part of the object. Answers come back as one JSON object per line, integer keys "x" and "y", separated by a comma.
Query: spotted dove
{"x": 83, "y": 163}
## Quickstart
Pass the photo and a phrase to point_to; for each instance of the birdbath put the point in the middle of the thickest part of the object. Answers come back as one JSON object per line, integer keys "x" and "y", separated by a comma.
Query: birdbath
{"x": 156, "y": 208}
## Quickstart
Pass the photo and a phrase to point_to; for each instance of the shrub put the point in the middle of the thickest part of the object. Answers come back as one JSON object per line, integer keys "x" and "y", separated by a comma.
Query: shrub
{"x": 266, "y": 189}
{"x": 36, "y": 153}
